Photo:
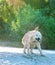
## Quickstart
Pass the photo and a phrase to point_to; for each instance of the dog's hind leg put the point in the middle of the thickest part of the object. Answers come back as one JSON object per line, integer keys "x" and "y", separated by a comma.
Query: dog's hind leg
{"x": 28, "y": 48}
{"x": 25, "y": 49}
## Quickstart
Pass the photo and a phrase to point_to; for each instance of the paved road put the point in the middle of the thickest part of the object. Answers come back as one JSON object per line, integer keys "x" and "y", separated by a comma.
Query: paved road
{"x": 15, "y": 56}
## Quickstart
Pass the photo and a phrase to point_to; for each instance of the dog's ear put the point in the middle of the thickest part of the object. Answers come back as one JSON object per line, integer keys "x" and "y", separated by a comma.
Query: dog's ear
{"x": 37, "y": 28}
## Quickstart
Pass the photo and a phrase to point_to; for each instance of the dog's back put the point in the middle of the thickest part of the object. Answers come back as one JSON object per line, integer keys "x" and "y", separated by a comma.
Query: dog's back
{"x": 27, "y": 37}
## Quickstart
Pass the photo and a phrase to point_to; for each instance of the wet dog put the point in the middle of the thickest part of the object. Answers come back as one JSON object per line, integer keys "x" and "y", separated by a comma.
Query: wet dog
{"x": 31, "y": 40}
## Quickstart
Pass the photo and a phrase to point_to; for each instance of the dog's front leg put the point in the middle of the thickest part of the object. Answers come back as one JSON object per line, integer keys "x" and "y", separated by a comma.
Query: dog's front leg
{"x": 39, "y": 48}
{"x": 31, "y": 51}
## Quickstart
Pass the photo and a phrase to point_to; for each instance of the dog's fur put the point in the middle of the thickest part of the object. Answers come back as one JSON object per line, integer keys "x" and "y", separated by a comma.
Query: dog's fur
{"x": 31, "y": 40}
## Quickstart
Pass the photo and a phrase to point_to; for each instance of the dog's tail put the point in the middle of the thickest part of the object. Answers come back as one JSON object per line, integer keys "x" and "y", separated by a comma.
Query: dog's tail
{"x": 37, "y": 28}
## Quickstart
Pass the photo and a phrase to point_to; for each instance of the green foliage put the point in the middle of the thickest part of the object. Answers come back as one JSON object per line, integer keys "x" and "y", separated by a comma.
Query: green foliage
{"x": 28, "y": 19}
{"x": 36, "y": 3}
{"x": 16, "y": 24}
{"x": 50, "y": 32}
{"x": 47, "y": 27}
{"x": 6, "y": 11}
{"x": 7, "y": 14}
{"x": 24, "y": 20}
{"x": 52, "y": 3}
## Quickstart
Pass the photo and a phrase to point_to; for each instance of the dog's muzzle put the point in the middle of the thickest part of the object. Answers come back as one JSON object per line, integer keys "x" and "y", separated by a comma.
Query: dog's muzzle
{"x": 38, "y": 39}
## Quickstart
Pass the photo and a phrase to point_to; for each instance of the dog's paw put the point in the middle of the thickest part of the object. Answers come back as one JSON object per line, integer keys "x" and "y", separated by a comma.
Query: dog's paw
{"x": 43, "y": 55}
{"x": 31, "y": 52}
{"x": 24, "y": 52}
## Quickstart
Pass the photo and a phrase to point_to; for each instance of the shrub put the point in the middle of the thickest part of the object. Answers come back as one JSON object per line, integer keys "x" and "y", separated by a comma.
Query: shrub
{"x": 27, "y": 18}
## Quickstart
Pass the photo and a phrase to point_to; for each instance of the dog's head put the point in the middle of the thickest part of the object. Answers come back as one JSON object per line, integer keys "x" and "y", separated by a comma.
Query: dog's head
{"x": 37, "y": 36}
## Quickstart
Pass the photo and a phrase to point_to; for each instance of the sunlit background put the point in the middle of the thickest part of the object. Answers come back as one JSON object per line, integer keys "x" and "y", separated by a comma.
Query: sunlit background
{"x": 19, "y": 16}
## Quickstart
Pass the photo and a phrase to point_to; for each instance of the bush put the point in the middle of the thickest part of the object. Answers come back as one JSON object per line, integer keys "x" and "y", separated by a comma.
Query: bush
{"x": 7, "y": 15}
{"x": 27, "y": 18}
{"x": 23, "y": 23}
{"x": 47, "y": 27}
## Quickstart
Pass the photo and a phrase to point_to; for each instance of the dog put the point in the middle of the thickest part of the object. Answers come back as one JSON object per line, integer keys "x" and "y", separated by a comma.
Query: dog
{"x": 31, "y": 40}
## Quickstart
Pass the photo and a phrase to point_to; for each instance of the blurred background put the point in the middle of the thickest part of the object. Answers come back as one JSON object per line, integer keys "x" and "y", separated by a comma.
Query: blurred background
{"x": 19, "y": 16}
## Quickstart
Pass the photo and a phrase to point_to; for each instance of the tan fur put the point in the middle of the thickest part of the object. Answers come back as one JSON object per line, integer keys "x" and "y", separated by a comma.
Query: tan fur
{"x": 29, "y": 42}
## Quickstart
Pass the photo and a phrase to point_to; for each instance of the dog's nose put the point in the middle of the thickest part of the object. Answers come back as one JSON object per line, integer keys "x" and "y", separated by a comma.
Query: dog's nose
{"x": 38, "y": 39}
